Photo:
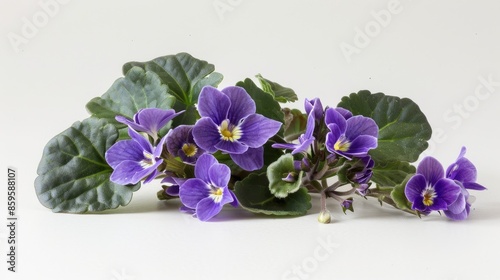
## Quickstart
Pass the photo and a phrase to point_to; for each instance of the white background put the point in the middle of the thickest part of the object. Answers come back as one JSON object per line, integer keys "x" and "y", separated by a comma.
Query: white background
{"x": 434, "y": 53}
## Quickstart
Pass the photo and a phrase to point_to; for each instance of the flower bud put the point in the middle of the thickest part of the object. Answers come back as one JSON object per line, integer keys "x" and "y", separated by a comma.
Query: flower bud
{"x": 324, "y": 217}
{"x": 290, "y": 177}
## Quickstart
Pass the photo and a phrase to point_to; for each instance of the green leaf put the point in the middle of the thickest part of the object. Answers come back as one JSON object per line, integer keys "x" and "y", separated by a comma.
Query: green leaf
{"x": 73, "y": 174}
{"x": 189, "y": 117}
{"x": 391, "y": 173}
{"x": 213, "y": 79}
{"x": 295, "y": 123}
{"x": 279, "y": 92}
{"x": 279, "y": 170}
{"x": 398, "y": 194}
{"x": 264, "y": 102}
{"x": 183, "y": 74}
{"x": 404, "y": 130}
{"x": 253, "y": 195}
{"x": 137, "y": 90}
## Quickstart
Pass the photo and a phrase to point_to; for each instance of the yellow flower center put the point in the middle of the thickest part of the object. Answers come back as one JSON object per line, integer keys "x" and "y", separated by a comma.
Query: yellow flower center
{"x": 429, "y": 194}
{"x": 148, "y": 160}
{"x": 189, "y": 149}
{"x": 342, "y": 145}
{"x": 229, "y": 132}
{"x": 216, "y": 194}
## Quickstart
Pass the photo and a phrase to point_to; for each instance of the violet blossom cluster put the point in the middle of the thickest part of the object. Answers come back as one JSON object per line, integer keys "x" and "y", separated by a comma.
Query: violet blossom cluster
{"x": 228, "y": 124}
{"x": 433, "y": 189}
{"x": 334, "y": 143}
{"x": 334, "y": 140}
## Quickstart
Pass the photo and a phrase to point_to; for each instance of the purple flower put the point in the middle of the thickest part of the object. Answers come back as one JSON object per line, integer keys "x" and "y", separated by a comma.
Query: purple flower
{"x": 349, "y": 138}
{"x": 363, "y": 189}
{"x": 208, "y": 192}
{"x": 360, "y": 174}
{"x": 362, "y": 171}
{"x": 229, "y": 123}
{"x": 460, "y": 208}
{"x": 428, "y": 190}
{"x": 347, "y": 205}
{"x": 134, "y": 159}
{"x": 175, "y": 183}
{"x": 315, "y": 107}
{"x": 149, "y": 120}
{"x": 464, "y": 173}
{"x": 180, "y": 143}
{"x": 305, "y": 140}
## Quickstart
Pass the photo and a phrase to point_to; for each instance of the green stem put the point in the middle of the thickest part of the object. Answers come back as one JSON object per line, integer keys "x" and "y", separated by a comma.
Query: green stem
{"x": 388, "y": 200}
{"x": 323, "y": 201}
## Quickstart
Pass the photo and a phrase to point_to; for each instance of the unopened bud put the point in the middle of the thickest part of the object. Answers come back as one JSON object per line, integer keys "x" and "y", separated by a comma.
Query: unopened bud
{"x": 324, "y": 217}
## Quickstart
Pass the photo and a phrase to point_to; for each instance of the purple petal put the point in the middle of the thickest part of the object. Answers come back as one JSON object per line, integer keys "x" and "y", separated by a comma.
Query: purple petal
{"x": 438, "y": 204}
{"x": 154, "y": 119}
{"x": 206, "y": 134}
{"x": 415, "y": 187}
{"x": 361, "y": 145}
{"x": 130, "y": 123}
{"x": 331, "y": 139}
{"x": 219, "y": 175}
{"x": 335, "y": 130}
{"x": 252, "y": 159}
{"x": 257, "y": 129}
{"x": 152, "y": 171}
{"x": 131, "y": 172}
{"x": 344, "y": 112}
{"x": 201, "y": 170}
{"x": 173, "y": 190}
{"x": 431, "y": 169}
{"x": 231, "y": 147}
{"x": 146, "y": 146}
{"x": 315, "y": 107}
{"x": 173, "y": 180}
{"x": 235, "y": 202}
{"x": 242, "y": 105}
{"x": 332, "y": 116}
{"x": 462, "y": 170}
{"x": 303, "y": 146}
{"x": 207, "y": 209}
{"x": 213, "y": 104}
{"x": 473, "y": 186}
{"x": 360, "y": 125}
{"x": 447, "y": 190}
{"x": 459, "y": 216}
{"x": 153, "y": 174}
{"x": 193, "y": 191}
{"x": 459, "y": 205}
{"x": 159, "y": 148}
{"x": 227, "y": 197}
{"x": 122, "y": 151}
{"x": 419, "y": 205}
{"x": 362, "y": 189}
{"x": 309, "y": 127}
{"x": 284, "y": 146}
{"x": 187, "y": 210}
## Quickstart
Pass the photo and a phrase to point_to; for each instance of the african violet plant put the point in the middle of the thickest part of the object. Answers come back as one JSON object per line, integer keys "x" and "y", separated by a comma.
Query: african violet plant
{"x": 166, "y": 120}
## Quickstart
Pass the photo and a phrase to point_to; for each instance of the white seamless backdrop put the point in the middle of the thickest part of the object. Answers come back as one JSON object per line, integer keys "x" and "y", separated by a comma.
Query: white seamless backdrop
{"x": 56, "y": 55}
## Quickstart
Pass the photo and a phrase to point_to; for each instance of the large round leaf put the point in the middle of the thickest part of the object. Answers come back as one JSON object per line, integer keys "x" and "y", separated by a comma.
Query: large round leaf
{"x": 184, "y": 75}
{"x": 137, "y": 90}
{"x": 73, "y": 174}
{"x": 403, "y": 128}
{"x": 253, "y": 195}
